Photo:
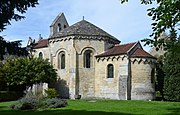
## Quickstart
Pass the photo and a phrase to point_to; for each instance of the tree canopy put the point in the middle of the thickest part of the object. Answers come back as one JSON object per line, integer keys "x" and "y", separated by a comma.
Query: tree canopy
{"x": 13, "y": 10}
{"x": 11, "y": 48}
{"x": 26, "y": 72}
{"x": 166, "y": 17}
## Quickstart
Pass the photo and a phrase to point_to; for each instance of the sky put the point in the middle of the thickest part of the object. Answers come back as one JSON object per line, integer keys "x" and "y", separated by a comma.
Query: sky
{"x": 127, "y": 22}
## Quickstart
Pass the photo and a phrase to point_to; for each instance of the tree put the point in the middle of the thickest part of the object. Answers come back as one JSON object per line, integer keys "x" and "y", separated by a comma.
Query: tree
{"x": 2, "y": 48}
{"x": 166, "y": 16}
{"x": 160, "y": 74}
{"x": 11, "y": 10}
{"x": 2, "y": 80}
{"x": 26, "y": 72}
{"x": 171, "y": 68}
{"x": 11, "y": 48}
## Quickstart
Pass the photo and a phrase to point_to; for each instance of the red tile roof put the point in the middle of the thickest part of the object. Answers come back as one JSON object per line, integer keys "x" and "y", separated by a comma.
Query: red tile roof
{"x": 41, "y": 43}
{"x": 141, "y": 53}
{"x": 117, "y": 50}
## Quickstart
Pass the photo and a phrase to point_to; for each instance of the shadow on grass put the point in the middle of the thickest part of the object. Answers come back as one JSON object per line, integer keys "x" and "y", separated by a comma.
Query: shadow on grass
{"x": 60, "y": 112}
{"x": 174, "y": 111}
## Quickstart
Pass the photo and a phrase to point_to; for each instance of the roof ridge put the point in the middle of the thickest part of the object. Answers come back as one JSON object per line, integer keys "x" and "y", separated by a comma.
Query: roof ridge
{"x": 57, "y": 17}
{"x": 126, "y": 43}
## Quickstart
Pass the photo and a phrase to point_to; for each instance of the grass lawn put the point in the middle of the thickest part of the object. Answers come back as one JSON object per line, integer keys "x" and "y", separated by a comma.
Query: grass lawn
{"x": 102, "y": 107}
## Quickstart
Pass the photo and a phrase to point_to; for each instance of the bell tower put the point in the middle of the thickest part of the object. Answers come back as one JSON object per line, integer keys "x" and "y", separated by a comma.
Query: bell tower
{"x": 58, "y": 24}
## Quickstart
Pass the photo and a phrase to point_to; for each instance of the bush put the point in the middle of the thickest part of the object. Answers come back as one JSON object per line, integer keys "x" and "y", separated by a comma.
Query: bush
{"x": 55, "y": 103}
{"x": 9, "y": 95}
{"x": 31, "y": 101}
{"x": 51, "y": 93}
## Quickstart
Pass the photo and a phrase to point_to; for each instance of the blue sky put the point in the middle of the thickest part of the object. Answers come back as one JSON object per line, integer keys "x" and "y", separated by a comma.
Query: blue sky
{"x": 128, "y": 22}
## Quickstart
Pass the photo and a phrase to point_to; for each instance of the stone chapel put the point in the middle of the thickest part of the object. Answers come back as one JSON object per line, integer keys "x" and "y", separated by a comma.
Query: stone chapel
{"x": 91, "y": 63}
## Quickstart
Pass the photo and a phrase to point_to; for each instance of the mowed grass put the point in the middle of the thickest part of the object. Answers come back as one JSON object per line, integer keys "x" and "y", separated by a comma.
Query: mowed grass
{"x": 102, "y": 107}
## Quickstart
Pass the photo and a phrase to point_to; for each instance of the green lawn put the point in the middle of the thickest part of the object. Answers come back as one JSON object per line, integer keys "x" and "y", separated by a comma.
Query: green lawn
{"x": 103, "y": 107}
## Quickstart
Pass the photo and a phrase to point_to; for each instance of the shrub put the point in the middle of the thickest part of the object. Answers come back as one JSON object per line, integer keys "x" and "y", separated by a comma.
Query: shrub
{"x": 26, "y": 72}
{"x": 31, "y": 101}
{"x": 55, "y": 103}
{"x": 51, "y": 93}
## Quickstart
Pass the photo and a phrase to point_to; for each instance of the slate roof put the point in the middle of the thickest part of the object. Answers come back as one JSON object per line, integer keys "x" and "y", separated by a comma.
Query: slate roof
{"x": 117, "y": 50}
{"x": 141, "y": 53}
{"x": 124, "y": 49}
{"x": 41, "y": 44}
{"x": 84, "y": 28}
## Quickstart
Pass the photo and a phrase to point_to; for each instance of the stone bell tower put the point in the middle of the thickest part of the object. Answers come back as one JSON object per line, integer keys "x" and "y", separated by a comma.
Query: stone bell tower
{"x": 58, "y": 24}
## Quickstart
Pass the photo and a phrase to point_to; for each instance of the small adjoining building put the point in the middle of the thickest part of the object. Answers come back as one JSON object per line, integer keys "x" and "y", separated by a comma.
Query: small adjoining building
{"x": 91, "y": 63}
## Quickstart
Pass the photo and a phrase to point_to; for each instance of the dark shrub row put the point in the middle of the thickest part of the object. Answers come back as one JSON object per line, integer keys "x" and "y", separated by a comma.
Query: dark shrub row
{"x": 9, "y": 95}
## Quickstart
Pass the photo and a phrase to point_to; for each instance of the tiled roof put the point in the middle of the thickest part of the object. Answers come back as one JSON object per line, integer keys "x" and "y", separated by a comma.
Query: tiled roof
{"x": 117, "y": 50}
{"x": 83, "y": 28}
{"x": 41, "y": 43}
{"x": 141, "y": 53}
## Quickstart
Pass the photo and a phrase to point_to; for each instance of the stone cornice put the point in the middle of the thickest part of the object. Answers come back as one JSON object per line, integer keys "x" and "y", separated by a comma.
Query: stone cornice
{"x": 122, "y": 57}
{"x": 83, "y": 37}
{"x": 143, "y": 60}
{"x": 112, "y": 58}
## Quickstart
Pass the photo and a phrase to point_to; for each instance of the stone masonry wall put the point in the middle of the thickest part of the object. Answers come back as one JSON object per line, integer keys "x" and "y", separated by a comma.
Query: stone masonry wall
{"x": 45, "y": 51}
{"x": 108, "y": 87}
{"x": 66, "y": 77}
{"x": 86, "y": 76}
{"x": 142, "y": 81}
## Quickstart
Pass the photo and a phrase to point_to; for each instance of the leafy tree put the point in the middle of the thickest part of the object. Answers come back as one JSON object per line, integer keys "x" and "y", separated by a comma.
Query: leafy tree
{"x": 11, "y": 10}
{"x": 166, "y": 16}
{"x": 160, "y": 74}
{"x": 11, "y": 48}
{"x": 171, "y": 68}
{"x": 2, "y": 48}
{"x": 26, "y": 72}
{"x": 2, "y": 80}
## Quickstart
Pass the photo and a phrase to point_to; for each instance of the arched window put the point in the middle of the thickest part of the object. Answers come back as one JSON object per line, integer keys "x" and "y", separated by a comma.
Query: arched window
{"x": 40, "y": 55}
{"x": 65, "y": 26}
{"x": 87, "y": 59}
{"x": 110, "y": 71}
{"x": 61, "y": 60}
{"x": 59, "y": 27}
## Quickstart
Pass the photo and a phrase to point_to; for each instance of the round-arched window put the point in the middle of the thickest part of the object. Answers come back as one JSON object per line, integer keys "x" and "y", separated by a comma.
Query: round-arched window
{"x": 40, "y": 55}
{"x": 110, "y": 71}
{"x": 88, "y": 59}
{"x": 61, "y": 60}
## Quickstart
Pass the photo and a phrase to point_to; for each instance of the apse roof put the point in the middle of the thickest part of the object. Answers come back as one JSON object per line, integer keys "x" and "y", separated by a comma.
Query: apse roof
{"x": 84, "y": 28}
